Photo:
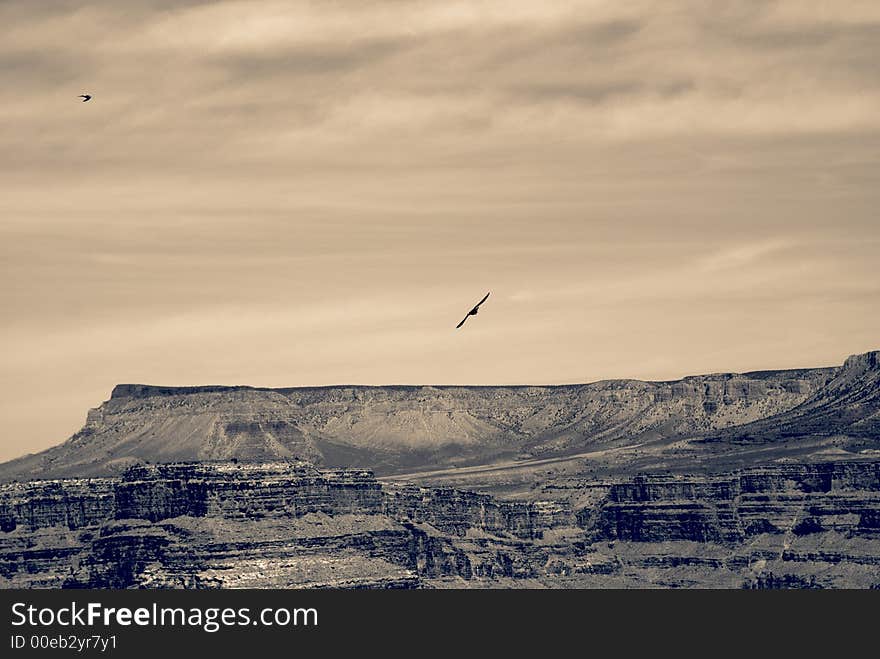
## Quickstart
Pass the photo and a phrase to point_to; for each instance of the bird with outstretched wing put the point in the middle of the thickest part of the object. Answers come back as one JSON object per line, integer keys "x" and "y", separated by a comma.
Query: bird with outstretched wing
{"x": 85, "y": 97}
{"x": 473, "y": 312}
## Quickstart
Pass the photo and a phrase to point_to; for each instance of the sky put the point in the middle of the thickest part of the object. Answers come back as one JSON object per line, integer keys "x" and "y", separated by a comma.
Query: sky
{"x": 283, "y": 193}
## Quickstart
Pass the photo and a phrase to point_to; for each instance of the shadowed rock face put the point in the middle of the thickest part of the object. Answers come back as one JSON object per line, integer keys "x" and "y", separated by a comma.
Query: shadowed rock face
{"x": 260, "y": 525}
{"x": 760, "y": 480}
{"x": 397, "y": 428}
{"x": 289, "y": 525}
{"x": 848, "y": 403}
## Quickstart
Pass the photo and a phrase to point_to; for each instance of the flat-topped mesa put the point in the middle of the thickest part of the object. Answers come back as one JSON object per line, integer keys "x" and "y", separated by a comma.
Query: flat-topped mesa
{"x": 150, "y": 390}
{"x": 864, "y": 361}
{"x": 407, "y": 428}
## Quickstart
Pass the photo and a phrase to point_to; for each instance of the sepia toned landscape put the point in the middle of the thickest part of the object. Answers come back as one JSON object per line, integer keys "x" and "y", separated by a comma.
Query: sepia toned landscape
{"x": 439, "y": 294}
{"x": 758, "y": 480}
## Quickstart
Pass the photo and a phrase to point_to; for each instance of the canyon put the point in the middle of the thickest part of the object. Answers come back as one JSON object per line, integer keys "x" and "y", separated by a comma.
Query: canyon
{"x": 759, "y": 480}
{"x": 289, "y": 525}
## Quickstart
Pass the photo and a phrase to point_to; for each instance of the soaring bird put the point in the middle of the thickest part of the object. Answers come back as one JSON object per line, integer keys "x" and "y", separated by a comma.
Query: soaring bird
{"x": 85, "y": 97}
{"x": 473, "y": 312}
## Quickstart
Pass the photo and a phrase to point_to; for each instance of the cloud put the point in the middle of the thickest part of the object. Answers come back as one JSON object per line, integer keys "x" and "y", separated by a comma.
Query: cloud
{"x": 290, "y": 192}
{"x": 231, "y": 72}
{"x": 742, "y": 256}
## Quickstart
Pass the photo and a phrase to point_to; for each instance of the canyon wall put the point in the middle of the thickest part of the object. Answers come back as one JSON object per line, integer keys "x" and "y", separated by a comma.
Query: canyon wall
{"x": 800, "y": 499}
{"x": 290, "y": 525}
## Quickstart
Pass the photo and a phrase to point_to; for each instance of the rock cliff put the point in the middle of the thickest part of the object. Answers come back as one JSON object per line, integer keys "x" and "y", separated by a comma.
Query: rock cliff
{"x": 290, "y": 525}
{"x": 760, "y": 480}
{"x": 398, "y": 428}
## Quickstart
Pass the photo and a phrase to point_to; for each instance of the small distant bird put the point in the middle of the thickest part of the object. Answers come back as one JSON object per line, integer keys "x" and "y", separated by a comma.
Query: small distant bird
{"x": 85, "y": 97}
{"x": 473, "y": 312}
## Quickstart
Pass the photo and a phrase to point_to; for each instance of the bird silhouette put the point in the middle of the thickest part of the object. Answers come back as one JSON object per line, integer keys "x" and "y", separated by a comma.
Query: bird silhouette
{"x": 473, "y": 312}
{"x": 85, "y": 97}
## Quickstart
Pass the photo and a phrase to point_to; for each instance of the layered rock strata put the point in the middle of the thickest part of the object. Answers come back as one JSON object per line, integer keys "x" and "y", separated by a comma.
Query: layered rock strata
{"x": 290, "y": 525}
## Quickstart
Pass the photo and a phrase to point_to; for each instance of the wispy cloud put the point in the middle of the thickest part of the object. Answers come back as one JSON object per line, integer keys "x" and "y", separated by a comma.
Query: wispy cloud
{"x": 296, "y": 192}
{"x": 741, "y": 256}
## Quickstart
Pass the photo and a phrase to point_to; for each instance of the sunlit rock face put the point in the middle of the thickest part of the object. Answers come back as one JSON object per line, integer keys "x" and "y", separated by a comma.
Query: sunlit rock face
{"x": 404, "y": 428}
{"x": 760, "y": 480}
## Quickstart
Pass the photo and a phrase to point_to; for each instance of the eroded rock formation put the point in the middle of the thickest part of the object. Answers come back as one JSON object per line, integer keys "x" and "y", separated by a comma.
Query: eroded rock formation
{"x": 398, "y": 428}
{"x": 290, "y": 525}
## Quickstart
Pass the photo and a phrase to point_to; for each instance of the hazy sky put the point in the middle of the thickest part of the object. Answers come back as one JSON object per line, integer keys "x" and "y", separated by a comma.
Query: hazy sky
{"x": 295, "y": 193}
